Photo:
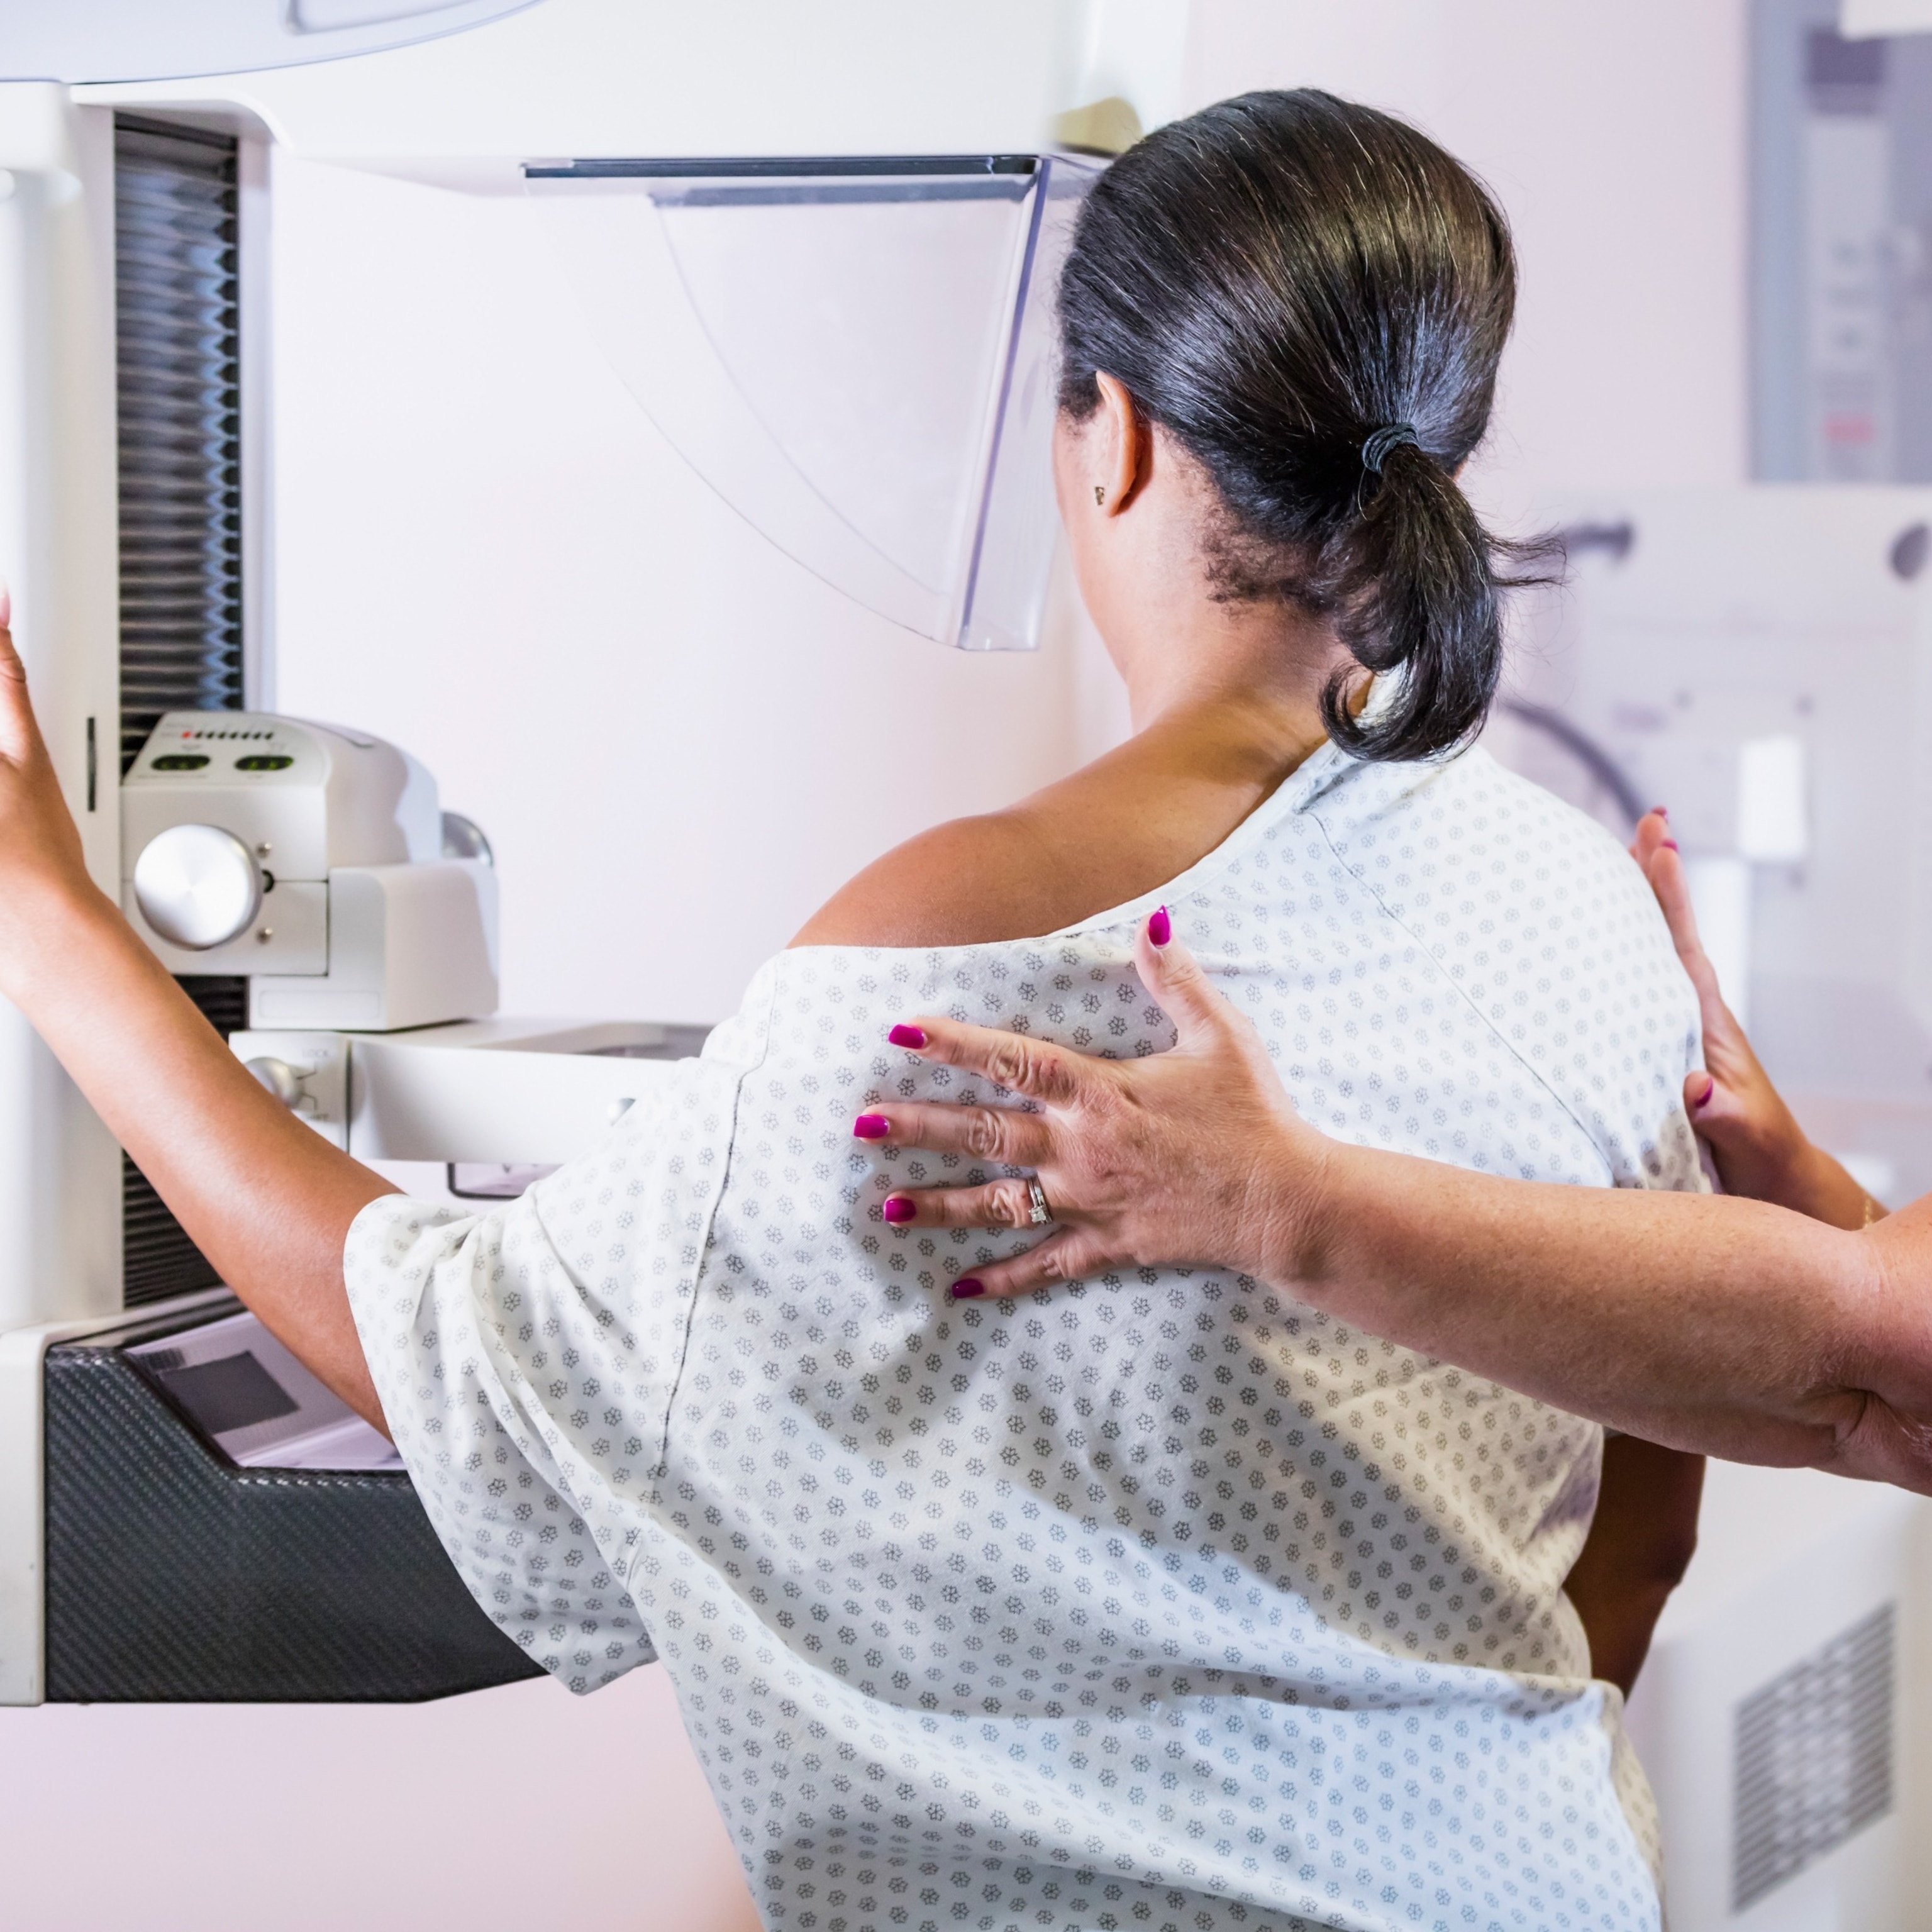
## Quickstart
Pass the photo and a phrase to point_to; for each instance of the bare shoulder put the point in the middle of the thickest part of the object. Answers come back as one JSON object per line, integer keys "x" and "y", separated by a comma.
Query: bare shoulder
{"x": 965, "y": 883}
{"x": 1124, "y": 825}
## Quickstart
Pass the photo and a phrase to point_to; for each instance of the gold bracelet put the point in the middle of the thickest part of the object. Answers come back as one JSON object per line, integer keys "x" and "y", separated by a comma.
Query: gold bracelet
{"x": 1871, "y": 1211}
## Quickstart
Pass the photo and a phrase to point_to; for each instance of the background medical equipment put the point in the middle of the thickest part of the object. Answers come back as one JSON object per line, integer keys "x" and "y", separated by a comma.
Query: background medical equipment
{"x": 1759, "y": 660}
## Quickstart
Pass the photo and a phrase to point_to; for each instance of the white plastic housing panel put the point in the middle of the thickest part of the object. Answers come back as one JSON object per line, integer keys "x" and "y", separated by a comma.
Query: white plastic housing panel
{"x": 1788, "y": 1561}
{"x": 289, "y": 935}
{"x": 303, "y": 797}
{"x": 511, "y": 1092}
{"x": 131, "y": 39}
{"x": 438, "y": 1095}
{"x": 409, "y": 946}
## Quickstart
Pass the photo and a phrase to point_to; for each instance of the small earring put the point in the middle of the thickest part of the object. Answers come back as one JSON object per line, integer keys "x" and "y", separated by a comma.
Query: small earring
{"x": 1100, "y": 493}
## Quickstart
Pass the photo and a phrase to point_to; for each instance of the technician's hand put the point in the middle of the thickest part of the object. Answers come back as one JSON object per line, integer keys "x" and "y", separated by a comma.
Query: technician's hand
{"x": 1760, "y": 1151}
{"x": 1192, "y": 1155}
{"x": 43, "y": 873}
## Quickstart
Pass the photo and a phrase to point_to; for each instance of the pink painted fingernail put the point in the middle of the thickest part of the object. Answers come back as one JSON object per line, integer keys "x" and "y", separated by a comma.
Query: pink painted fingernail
{"x": 872, "y": 1127}
{"x": 1662, "y": 811}
{"x": 907, "y": 1036}
{"x": 1704, "y": 1099}
{"x": 967, "y": 1287}
{"x": 1670, "y": 845}
{"x": 1160, "y": 928}
{"x": 898, "y": 1208}
{"x": 6, "y": 605}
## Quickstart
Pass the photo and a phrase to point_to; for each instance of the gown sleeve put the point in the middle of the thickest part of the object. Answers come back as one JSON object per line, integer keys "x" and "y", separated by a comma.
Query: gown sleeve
{"x": 527, "y": 1357}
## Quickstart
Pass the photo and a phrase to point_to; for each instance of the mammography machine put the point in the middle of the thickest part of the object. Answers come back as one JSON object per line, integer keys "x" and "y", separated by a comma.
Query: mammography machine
{"x": 820, "y": 259}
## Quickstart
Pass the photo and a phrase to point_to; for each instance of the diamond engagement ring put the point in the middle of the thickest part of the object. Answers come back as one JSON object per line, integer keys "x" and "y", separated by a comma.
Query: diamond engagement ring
{"x": 1042, "y": 1213}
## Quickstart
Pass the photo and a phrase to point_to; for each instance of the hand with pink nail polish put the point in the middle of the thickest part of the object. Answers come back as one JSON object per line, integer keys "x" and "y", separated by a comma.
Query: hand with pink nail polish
{"x": 1755, "y": 1140}
{"x": 1162, "y": 1158}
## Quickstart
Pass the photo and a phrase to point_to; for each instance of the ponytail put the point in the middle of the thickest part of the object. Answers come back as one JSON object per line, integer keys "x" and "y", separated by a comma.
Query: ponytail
{"x": 1415, "y": 593}
{"x": 1312, "y": 298}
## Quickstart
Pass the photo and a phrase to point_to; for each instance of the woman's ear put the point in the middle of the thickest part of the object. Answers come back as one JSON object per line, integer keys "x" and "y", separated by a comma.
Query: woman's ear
{"x": 1121, "y": 442}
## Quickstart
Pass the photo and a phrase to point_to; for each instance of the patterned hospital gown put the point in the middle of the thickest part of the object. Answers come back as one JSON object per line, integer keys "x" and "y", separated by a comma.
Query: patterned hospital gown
{"x": 1162, "y": 1600}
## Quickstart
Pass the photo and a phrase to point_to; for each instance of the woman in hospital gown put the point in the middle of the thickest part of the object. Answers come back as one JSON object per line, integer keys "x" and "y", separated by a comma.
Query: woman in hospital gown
{"x": 1167, "y": 1597}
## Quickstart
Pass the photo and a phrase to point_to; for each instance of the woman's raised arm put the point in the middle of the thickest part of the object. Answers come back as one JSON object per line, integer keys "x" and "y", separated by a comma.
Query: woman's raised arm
{"x": 266, "y": 1197}
{"x": 1724, "y": 1325}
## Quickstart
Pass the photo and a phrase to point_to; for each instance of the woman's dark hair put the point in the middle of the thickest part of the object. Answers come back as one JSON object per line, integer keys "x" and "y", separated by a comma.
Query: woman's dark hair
{"x": 1274, "y": 280}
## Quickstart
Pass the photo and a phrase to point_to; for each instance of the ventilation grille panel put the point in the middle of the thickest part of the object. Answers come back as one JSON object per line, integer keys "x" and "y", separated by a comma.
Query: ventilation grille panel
{"x": 1813, "y": 1758}
{"x": 178, "y": 323}
{"x": 178, "y": 366}
{"x": 157, "y": 1259}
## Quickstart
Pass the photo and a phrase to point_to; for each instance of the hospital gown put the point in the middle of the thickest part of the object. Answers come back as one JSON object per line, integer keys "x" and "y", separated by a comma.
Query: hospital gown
{"x": 1162, "y": 1600}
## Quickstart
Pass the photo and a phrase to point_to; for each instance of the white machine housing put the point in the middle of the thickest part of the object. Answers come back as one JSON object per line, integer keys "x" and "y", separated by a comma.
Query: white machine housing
{"x": 1781, "y": 1716}
{"x": 361, "y": 923}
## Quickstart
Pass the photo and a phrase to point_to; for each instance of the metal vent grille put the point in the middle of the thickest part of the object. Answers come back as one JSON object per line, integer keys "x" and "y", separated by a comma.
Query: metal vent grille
{"x": 178, "y": 323}
{"x": 1813, "y": 1758}
{"x": 157, "y": 1259}
{"x": 179, "y": 356}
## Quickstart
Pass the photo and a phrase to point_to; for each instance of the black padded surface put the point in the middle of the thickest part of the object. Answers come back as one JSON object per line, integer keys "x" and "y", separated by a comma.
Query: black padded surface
{"x": 174, "y": 1577}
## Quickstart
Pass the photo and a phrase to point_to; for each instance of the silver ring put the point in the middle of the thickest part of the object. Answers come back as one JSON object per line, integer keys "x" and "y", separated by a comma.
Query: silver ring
{"x": 1041, "y": 1214}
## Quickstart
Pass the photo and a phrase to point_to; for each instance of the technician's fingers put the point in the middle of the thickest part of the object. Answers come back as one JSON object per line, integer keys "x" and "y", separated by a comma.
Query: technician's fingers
{"x": 1664, "y": 868}
{"x": 1009, "y": 1060}
{"x": 1653, "y": 830}
{"x": 1173, "y": 976}
{"x": 1068, "y": 1254}
{"x": 1002, "y": 1135}
{"x": 998, "y": 1204}
{"x": 1743, "y": 1123}
{"x": 1711, "y": 1106}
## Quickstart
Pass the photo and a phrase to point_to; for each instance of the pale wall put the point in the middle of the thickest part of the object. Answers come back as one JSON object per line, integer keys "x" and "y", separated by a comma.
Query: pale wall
{"x": 1615, "y": 138}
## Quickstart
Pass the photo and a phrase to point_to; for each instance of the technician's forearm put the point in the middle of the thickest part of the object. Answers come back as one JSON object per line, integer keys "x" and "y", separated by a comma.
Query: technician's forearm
{"x": 1724, "y": 1326}
{"x": 265, "y": 1198}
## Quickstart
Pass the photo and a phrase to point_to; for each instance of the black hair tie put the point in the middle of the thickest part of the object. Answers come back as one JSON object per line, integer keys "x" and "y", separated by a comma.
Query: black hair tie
{"x": 1382, "y": 443}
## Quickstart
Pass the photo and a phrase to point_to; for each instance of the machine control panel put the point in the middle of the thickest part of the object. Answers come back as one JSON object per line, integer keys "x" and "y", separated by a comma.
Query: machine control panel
{"x": 313, "y": 859}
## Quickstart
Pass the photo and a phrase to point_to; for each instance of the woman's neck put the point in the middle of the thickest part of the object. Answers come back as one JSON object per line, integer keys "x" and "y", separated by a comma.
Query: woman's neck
{"x": 1221, "y": 720}
{"x": 1248, "y": 679}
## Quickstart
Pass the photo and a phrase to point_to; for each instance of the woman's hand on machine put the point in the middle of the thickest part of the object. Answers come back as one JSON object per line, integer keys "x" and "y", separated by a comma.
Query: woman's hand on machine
{"x": 1759, "y": 1150}
{"x": 1177, "y": 1157}
{"x": 42, "y": 872}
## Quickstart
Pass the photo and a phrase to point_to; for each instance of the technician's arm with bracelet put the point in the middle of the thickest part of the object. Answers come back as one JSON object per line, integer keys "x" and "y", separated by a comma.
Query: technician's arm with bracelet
{"x": 1790, "y": 1334}
{"x": 266, "y": 1198}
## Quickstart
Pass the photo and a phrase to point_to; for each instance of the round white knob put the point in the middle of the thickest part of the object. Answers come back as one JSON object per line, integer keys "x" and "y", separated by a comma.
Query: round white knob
{"x": 197, "y": 886}
{"x": 279, "y": 1078}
